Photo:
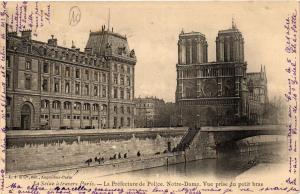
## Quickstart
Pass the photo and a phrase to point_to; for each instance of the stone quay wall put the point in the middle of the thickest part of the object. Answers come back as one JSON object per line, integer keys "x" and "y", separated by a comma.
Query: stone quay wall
{"x": 62, "y": 149}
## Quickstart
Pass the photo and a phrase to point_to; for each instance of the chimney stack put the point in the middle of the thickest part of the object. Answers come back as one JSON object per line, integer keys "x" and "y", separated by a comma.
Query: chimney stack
{"x": 26, "y": 34}
{"x": 52, "y": 41}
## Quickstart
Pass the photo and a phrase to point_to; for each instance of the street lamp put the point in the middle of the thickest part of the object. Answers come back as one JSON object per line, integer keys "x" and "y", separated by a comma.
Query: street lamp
{"x": 198, "y": 121}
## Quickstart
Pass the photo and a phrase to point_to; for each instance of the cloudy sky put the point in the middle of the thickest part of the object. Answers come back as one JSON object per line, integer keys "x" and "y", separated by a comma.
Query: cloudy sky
{"x": 152, "y": 29}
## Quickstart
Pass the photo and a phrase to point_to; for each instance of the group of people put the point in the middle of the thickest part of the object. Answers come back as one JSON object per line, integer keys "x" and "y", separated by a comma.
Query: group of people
{"x": 96, "y": 159}
{"x": 114, "y": 157}
{"x": 118, "y": 157}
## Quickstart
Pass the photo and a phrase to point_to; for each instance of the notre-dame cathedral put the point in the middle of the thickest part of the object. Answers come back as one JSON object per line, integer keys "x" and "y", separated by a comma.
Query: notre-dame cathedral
{"x": 221, "y": 92}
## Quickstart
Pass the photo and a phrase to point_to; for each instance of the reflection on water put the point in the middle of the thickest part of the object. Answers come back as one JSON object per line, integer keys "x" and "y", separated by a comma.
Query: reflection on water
{"x": 229, "y": 164}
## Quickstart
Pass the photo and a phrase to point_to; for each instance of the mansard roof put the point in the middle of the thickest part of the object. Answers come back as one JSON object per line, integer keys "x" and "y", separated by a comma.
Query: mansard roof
{"x": 108, "y": 43}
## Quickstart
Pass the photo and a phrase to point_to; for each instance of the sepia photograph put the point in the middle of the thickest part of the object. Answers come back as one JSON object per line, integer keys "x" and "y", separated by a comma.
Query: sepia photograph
{"x": 150, "y": 97}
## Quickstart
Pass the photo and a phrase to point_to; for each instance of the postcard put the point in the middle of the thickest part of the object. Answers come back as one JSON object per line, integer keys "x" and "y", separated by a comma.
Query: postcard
{"x": 166, "y": 97}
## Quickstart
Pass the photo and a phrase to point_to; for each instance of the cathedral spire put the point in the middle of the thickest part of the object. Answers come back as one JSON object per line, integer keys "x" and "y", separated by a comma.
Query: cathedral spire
{"x": 108, "y": 19}
{"x": 233, "y": 23}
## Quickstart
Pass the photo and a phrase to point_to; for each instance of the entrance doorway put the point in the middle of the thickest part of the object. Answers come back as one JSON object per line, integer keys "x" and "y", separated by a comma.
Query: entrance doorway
{"x": 25, "y": 117}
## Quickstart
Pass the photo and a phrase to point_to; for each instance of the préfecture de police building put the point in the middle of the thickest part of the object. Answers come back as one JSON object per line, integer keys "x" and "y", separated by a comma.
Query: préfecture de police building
{"x": 53, "y": 87}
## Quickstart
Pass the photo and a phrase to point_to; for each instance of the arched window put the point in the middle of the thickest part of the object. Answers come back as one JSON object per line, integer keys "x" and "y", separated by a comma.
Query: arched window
{"x": 45, "y": 103}
{"x": 104, "y": 108}
{"x": 67, "y": 87}
{"x": 95, "y": 107}
{"x": 86, "y": 106}
{"x": 56, "y": 104}
{"x": 67, "y": 105}
{"x": 77, "y": 106}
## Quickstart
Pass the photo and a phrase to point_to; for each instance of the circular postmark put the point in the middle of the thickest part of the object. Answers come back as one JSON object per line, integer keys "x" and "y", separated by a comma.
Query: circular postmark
{"x": 74, "y": 16}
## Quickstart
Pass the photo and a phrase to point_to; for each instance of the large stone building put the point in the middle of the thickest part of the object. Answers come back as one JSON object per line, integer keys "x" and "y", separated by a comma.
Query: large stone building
{"x": 214, "y": 93}
{"x": 49, "y": 86}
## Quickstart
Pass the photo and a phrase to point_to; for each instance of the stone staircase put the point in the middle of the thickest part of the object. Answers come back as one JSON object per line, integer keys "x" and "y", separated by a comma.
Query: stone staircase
{"x": 186, "y": 140}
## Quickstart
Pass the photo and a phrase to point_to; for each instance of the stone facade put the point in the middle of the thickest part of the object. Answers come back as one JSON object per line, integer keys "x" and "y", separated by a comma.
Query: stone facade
{"x": 212, "y": 93}
{"x": 258, "y": 95}
{"x": 39, "y": 152}
{"x": 148, "y": 111}
{"x": 52, "y": 87}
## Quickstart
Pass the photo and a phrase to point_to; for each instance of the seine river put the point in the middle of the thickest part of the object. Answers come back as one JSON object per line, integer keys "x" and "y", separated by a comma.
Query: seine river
{"x": 229, "y": 164}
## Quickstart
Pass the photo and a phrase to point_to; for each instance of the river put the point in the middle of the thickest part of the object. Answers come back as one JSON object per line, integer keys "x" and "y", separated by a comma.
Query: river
{"x": 229, "y": 164}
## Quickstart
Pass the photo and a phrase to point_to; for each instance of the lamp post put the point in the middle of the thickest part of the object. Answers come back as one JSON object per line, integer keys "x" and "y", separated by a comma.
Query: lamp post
{"x": 198, "y": 121}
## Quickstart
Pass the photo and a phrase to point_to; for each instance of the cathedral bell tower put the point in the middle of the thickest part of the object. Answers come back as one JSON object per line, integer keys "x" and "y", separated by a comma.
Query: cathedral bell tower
{"x": 192, "y": 48}
{"x": 230, "y": 45}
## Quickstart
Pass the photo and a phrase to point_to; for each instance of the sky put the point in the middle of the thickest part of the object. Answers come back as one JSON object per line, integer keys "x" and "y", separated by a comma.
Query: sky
{"x": 152, "y": 29}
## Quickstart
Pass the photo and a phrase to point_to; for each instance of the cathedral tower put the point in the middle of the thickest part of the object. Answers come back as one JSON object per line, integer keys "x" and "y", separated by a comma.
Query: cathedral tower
{"x": 230, "y": 45}
{"x": 192, "y": 48}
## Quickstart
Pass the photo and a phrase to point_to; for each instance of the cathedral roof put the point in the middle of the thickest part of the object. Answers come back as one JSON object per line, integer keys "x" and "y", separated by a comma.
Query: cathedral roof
{"x": 257, "y": 78}
{"x": 191, "y": 34}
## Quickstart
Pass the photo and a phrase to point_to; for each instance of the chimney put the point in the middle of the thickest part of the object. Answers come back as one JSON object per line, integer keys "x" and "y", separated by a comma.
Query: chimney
{"x": 12, "y": 34}
{"x": 26, "y": 34}
{"x": 73, "y": 45}
{"x": 52, "y": 41}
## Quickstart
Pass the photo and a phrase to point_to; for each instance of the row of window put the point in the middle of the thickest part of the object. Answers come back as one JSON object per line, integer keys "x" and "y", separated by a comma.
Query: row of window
{"x": 84, "y": 90}
{"x": 76, "y": 106}
{"x": 122, "y": 123}
{"x": 77, "y": 74}
{"x": 121, "y": 68}
{"x": 65, "y": 116}
{"x": 122, "y": 109}
{"x": 145, "y": 105}
{"x": 210, "y": 72}
{"x": 122, "y": 79}
{"x": 121, "y": 95}
{"x": 74, "y": 57}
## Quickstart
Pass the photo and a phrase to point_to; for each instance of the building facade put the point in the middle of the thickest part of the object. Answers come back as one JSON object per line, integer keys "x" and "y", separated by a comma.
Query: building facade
{"x": 53, "y": 87}
{"x": 148, "y": 112}
{"x": 212, "y": 93}
{"x": 258, "y": 95}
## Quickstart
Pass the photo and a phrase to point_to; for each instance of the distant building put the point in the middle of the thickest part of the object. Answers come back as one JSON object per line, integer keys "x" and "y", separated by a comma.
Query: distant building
{"x": 214, "y": 93}
{"x": 257, "y": 95}
{"x": 148, "y": 111}
{"x": 53, "y": 87}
